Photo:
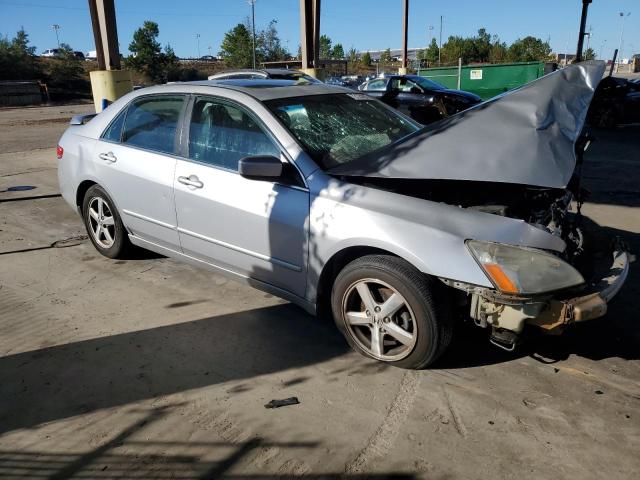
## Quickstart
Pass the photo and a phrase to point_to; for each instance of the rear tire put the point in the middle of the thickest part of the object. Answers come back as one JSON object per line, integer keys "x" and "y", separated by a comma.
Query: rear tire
{"x": 399, "y": 323}
{"x": 103, "y": 224}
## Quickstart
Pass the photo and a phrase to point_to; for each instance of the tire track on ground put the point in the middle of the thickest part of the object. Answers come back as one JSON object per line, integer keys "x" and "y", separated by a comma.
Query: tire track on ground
{"x": 383, "y": 438}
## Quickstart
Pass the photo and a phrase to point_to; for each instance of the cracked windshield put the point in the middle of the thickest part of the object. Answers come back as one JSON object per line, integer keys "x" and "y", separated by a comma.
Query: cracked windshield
{"x": 336, "y": 129}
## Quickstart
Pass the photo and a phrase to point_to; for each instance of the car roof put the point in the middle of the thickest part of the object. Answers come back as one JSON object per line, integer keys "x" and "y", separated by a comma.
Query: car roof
{"x": 262, "y": 89}
{"x": 265, "y": 71}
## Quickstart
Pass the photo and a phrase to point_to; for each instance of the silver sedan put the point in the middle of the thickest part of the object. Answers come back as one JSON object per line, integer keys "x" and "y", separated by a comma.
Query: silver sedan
{"x": 332, "y": 200}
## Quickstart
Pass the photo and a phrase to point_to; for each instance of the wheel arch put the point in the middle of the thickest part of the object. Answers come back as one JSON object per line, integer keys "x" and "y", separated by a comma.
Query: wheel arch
{"x": 82, "y": 190}
{"x": 335, "y": 264}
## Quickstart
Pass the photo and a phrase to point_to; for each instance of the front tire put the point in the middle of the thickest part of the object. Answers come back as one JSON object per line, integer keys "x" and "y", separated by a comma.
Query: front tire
{"x": 385, "y": 309}
{"x": 103, "y": 224}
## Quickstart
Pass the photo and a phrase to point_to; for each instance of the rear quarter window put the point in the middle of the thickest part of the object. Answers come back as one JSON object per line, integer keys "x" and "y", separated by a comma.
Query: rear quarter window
{"x": 113, "y": 133}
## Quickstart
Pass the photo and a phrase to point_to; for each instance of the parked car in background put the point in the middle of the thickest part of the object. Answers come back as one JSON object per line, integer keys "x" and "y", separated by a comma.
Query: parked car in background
{"x": 335, "y": 201}
{"x": 91, "y": 55}
{"x": 265, "y": 74}
{"x": 422, "y": 99}
{"x": 616, "y": 102}
{"x": 52, "y": 52}
{"x": 337, "y": 81}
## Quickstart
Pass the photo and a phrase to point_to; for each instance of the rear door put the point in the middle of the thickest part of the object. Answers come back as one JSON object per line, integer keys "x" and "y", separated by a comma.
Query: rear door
{"x": 136, "y": 162}
{"x": 255, "y": 228}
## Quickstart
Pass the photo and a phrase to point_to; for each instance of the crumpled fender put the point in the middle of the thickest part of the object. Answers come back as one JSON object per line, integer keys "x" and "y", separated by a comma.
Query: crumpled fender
{"x": 427, "y": 234}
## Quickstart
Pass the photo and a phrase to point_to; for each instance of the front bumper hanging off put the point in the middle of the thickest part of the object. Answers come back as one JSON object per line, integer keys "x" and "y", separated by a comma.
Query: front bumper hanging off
{"x": 508, "y": 316}
{"x": 593, "y": 305}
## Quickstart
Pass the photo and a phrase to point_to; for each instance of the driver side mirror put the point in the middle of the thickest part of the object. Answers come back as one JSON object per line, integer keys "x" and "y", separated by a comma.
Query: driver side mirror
{"x": 260, "y": 166}
{"x": 415, "y": 90}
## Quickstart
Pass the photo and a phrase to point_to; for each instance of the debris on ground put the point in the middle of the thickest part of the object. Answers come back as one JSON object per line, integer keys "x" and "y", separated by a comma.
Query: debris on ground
{"x": 282, "y": 403}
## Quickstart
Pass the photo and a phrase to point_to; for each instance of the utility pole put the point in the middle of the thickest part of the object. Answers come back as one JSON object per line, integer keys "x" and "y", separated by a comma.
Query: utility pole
{"x": 405, "y": 32}
{"x": 601, "y": 48}
{"x": 198, "y": 41}
{"x": 583, "y": 24}
{"x": 440, "y": 47}
{"x": 622, "y": 17}
{"x": 56, "y": 27}
{"x": 253, "y": 28}
{"x": 109, "y": 82}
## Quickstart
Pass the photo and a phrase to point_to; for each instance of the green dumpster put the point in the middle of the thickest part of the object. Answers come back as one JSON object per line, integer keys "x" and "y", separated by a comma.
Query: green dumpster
{"x": 486, "y": 80}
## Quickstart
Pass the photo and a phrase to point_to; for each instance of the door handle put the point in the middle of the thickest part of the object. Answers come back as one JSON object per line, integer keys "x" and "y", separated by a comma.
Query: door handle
{"x": 191, "y": 180}
{"x": 108, "y": 157}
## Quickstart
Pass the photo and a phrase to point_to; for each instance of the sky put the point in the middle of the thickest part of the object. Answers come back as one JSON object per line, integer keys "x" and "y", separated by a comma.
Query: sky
{"x": 362, "y": 24}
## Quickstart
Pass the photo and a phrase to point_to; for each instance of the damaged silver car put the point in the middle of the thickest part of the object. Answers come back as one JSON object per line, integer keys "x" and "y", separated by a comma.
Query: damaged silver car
{"x": 333, "y": 200}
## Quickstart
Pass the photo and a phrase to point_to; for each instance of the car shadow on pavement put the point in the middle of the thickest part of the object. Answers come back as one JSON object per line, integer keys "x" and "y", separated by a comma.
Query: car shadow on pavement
{"x": 611, "y": 168}
{"x": 65, "y": 380}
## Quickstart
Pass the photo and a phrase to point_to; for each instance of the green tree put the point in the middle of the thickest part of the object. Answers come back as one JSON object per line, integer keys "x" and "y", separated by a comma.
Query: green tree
{"x": 498, "y": 52}
{"x": 366, "y": 59}
{"x": 269, "y": 45}
{"x": 429, "y": 55}
{"x": 337, "y": 52}
{"x": 145, "y": 48}
{"x": 147, "y": 55}
{"x": 481, "y": 46}
{"x": 237, "y": 47}
{"x": 458, "y": 47}
{"x": 528, "y": 49}
{"x": 325, "y": 46}
{"x": 352, "y": 55}
{"x": 589, "y": 54}
{"x": 17, "y": 58}
{"x": 385, "y": 57}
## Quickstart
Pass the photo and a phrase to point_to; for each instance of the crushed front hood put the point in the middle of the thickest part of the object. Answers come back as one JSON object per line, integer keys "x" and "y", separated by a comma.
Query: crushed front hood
{"x": 525, "y": 136}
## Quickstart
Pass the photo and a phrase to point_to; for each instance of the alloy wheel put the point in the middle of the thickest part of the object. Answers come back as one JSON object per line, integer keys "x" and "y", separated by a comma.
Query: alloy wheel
{"x": 101, "y": 222}
{"x": 379, "y": 319}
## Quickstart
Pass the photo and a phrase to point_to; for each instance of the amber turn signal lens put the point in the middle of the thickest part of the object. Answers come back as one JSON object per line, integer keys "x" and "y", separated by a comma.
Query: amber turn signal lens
{"x": 502, "y": 281}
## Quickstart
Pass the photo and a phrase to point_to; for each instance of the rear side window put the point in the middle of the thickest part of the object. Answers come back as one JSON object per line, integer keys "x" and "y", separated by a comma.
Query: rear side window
{"x": 221, "y": 134}
{"x": 151, "y": 123}
{"x": 114, "y": 132}
{"x": 376, "y": 85}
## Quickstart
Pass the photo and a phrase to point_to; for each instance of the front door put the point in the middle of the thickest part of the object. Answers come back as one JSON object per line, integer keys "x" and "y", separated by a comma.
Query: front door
{"x": 255, "y": 228}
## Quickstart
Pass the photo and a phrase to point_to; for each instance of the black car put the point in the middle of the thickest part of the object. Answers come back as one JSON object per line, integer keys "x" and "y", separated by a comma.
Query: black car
{"x": 422, "y": 99}
{"x": 616, "y": 101}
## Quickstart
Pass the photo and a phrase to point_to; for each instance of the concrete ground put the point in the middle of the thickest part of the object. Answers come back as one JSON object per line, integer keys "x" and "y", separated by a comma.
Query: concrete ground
{"x": 148, "y": 368}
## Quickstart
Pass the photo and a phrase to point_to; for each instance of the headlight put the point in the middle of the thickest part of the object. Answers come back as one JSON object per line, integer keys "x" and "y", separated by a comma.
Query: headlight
{"x": 521, "y": 270}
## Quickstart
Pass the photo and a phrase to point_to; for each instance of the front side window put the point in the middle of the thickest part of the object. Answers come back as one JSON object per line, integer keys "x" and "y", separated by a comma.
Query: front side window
{"x": 339, "y": 128}
{"x": 152, "y": 122}
{"x": 221, "y": 134}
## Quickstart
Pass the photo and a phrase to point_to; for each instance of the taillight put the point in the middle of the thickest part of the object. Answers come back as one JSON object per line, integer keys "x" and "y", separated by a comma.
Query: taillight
{"x": 59, "y": 152}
